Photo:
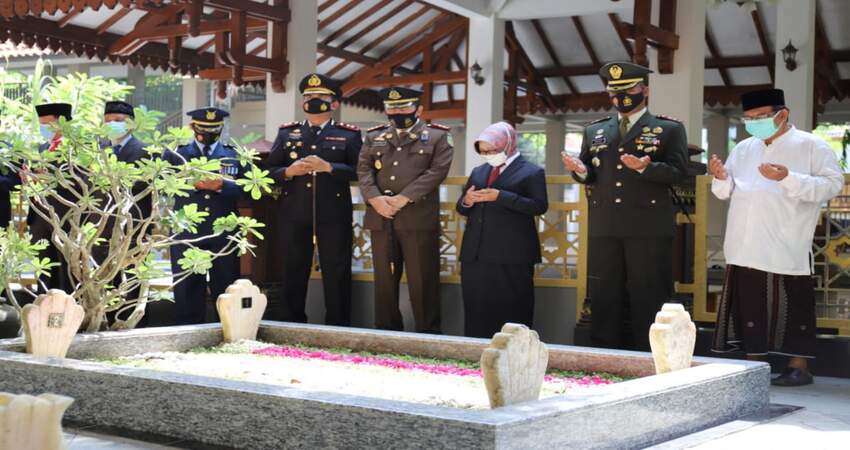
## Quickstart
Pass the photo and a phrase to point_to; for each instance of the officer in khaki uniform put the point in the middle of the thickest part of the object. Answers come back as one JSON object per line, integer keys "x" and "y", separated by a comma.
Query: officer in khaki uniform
{"x": 628, "y": 163}
{"x": 400, "y": 170}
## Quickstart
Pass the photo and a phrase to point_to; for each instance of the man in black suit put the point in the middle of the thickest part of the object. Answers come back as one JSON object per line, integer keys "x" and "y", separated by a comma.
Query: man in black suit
{"x": 60, "y": 278}
{"x": 628, "y": 163}
{"x": 8, "y": 180}
{"x": 315, "y": 162}
{"x": 500, "y": 242}
{"x": 127, "y": 148}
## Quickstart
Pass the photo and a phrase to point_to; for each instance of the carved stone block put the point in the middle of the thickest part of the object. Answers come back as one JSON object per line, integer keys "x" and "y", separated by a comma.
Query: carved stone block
{"x": 32, "y": 423}
{"x": 241, "y": 308}
{"x": 514, "y": 365}
{"x": 672, "y": 338}
{"x": 50, "y": 323}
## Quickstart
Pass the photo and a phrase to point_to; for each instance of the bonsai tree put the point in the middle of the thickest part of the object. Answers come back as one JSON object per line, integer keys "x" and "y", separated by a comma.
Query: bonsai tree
{"x": 98, "y": 195}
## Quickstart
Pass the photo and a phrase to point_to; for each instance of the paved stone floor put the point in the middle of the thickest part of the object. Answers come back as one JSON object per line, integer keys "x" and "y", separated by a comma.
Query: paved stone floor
{"x": 822, "y": 424}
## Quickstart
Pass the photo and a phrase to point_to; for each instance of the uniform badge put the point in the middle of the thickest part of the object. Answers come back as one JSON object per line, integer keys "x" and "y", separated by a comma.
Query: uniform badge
{"x": 425, "y": 137}
{"x": 657, "y": 130}
{"x": 314, "y": 81}
{"x": 293, "y": 155}
{"x": 378, "y": 165}
{"x": 600, "y": 131}
{"x": 627, "y": 101}
{"x": 299, "y": 144}
{"x": 288, "y": 143}
{"x": 450, "y": 139}
{"x": 388, "y": 135}
{"x": 413, "y": 136}
{"x": 615, "y": 71}
{"x": 324, "y": 107}
{"x": 210, "y": 115}
{"x": 599, "y": 139}
{"x": 596, "y": 162}
{"x": 646, "y": 129}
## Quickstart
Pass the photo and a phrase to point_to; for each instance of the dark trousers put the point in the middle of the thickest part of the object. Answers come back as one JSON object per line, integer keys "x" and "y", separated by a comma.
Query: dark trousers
{"x": 629, "y": 279}
{"x": 420, "y": 252}
{"x": 190, "y": 295}
{"x": 58, "y": 278}
{"x": 494, "y": 294}
{"x": 296, "y": 254}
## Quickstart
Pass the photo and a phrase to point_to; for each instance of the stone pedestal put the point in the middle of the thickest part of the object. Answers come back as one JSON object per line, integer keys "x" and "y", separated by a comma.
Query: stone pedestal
{"x": 241, "y": 308}
{"x": 32, "y": 423}
{"x": 514, "y": 366}
{"x": 672, "y": 338}
{"x": 50, "y": 323}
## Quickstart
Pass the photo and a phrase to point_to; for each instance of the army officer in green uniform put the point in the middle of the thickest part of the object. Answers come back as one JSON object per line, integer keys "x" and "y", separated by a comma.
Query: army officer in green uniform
{"x": 628, "y": 163}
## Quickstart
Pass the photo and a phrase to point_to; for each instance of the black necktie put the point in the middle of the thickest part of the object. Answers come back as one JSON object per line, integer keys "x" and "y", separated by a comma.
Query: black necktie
{"x": 207, "y": 150}
{"x": 117, "y": 149}
{"x": 316, "y": 130}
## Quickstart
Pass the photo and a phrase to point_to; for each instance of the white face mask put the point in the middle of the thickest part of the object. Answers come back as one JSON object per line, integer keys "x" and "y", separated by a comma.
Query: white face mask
{"x": 496, "y": 159}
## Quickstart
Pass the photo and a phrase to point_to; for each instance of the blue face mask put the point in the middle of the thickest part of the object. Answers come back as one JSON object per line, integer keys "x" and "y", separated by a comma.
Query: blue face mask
{"x": 47, "y": 131}
{"x": 762, "y": 128}
{"x": 116, "y": 129}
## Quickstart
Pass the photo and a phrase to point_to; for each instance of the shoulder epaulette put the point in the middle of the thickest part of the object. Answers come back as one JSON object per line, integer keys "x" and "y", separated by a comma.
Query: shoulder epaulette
{"x": 672, "y": 119}
{"x": 378, "y": 127}
{"x": 289, "y": 125}
{"x": 601, "y": 119}
{"x": 439, "y": 126}
{"x": 347, "y": 126}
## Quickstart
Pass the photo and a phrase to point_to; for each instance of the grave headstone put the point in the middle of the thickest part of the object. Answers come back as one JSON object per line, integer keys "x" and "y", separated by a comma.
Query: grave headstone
{"x": 514, "y": 365}
{"x": 32, "y": 423}
{"x": 50, "y": 323}
{"x": 672, "y": 338}
{"x": 241, "y": 308}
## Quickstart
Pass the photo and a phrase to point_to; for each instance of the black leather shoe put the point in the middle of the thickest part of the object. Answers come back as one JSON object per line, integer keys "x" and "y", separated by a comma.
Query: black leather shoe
{"x": 793, "y": 377}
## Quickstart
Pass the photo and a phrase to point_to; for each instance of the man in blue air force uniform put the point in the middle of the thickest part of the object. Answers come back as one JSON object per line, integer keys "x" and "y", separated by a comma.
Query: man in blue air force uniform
{"x": 217, "y": 196}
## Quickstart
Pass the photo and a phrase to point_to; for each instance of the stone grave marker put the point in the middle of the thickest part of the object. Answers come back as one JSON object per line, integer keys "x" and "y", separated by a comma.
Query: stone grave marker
{"x": 672, "y": 338}
{"x": 514, "y": 365}
{"x": 50, "y": 323}
{"x": 241, "y": 308}
{"x": 32, "y": 423}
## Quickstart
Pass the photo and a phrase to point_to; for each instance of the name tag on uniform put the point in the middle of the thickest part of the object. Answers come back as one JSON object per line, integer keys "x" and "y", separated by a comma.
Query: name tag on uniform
{"x": 335, "y": 138}
{"x": 228, "y": 169}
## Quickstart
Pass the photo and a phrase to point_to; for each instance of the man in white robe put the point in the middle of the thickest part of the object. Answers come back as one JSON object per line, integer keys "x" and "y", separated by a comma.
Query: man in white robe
{"x": 777, "y": 181}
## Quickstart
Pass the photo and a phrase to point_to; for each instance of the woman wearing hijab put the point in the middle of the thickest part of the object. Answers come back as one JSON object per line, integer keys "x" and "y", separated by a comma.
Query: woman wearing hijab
{"x": 500, "y": 243}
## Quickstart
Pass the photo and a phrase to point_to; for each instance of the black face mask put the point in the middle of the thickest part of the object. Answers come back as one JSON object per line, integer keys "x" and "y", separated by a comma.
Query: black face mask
{"x": 317, "y": 106}
{"x": 403, "y": 120}
{"x": 207, "y": 138}
{"x": 627, "y": 102}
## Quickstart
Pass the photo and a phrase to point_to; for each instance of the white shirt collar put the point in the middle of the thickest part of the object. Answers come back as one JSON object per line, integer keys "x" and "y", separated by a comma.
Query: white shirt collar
{"x": 212, "y": 147}
{"x": 511, "y": 159}
{"x": 322, "y": 126}
{"x": 125, "y": 140}
{"x": 634, "y": 117}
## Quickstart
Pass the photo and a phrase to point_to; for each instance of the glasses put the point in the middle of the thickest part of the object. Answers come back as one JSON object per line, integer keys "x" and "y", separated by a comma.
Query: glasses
{"x": 769, "y": 115}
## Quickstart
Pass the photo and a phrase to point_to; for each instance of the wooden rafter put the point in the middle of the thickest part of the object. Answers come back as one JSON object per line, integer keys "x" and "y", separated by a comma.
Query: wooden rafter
{"x": 112, "y": 20}
{"x": 615, "y": 21}
{"x": 534, "y": 78}
{"x": 758, "y": 23}
{"x": 361, "y": 79}
{"x": 386, "y": 35}
{"x": 826, "y": 67}
{"x": 356, "y": 21}
{"x": 327, "y": 4}
{"x": 667, "y": 22}
{"x": 541, "y": 33}
{"x": 714, "y": 53}
{"x": 69, "y": 17}
{"x": 332, "y": 18}
{"x": 369, "y": 27}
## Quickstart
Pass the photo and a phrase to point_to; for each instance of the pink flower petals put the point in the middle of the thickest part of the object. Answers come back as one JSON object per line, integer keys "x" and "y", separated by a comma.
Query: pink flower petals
{"x": 439, "y": 369}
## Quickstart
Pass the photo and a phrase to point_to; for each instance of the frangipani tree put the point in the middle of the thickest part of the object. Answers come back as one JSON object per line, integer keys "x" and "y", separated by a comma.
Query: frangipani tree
{"x": 89, "y": 198}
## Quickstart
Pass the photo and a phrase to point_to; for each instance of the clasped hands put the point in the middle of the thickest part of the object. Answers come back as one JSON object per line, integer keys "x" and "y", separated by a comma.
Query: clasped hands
{"x": 389, "y": 205}
{"x": 775, "y": 172}
{"x": 307, "y": 165}
{"x": 474, "y": 196}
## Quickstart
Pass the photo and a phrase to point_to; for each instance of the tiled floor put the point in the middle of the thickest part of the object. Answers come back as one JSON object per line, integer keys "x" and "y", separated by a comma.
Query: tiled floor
{"x": 823, "y": 424}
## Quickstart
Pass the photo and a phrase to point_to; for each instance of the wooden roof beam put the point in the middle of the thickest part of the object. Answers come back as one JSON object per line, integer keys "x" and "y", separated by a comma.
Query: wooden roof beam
{"x": 826, "y": 66}
{"x": 67, "y": 18}
{"x": 444, "y": 77}
{"x": 327, "y": 4}
{"x": 538, "y": 81}
{"x": 615, "y": 21}
{"x": 387, "y": 64}
{"x": 714, "y": 53}
{"x": 758, "y": 23}
{"x": 112, "y": 20}
{"x": 386, "y": 35}
{"x": 547, "y": 45}
{"x": 390, "y": 14}
{"x": 356, "y": 21}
